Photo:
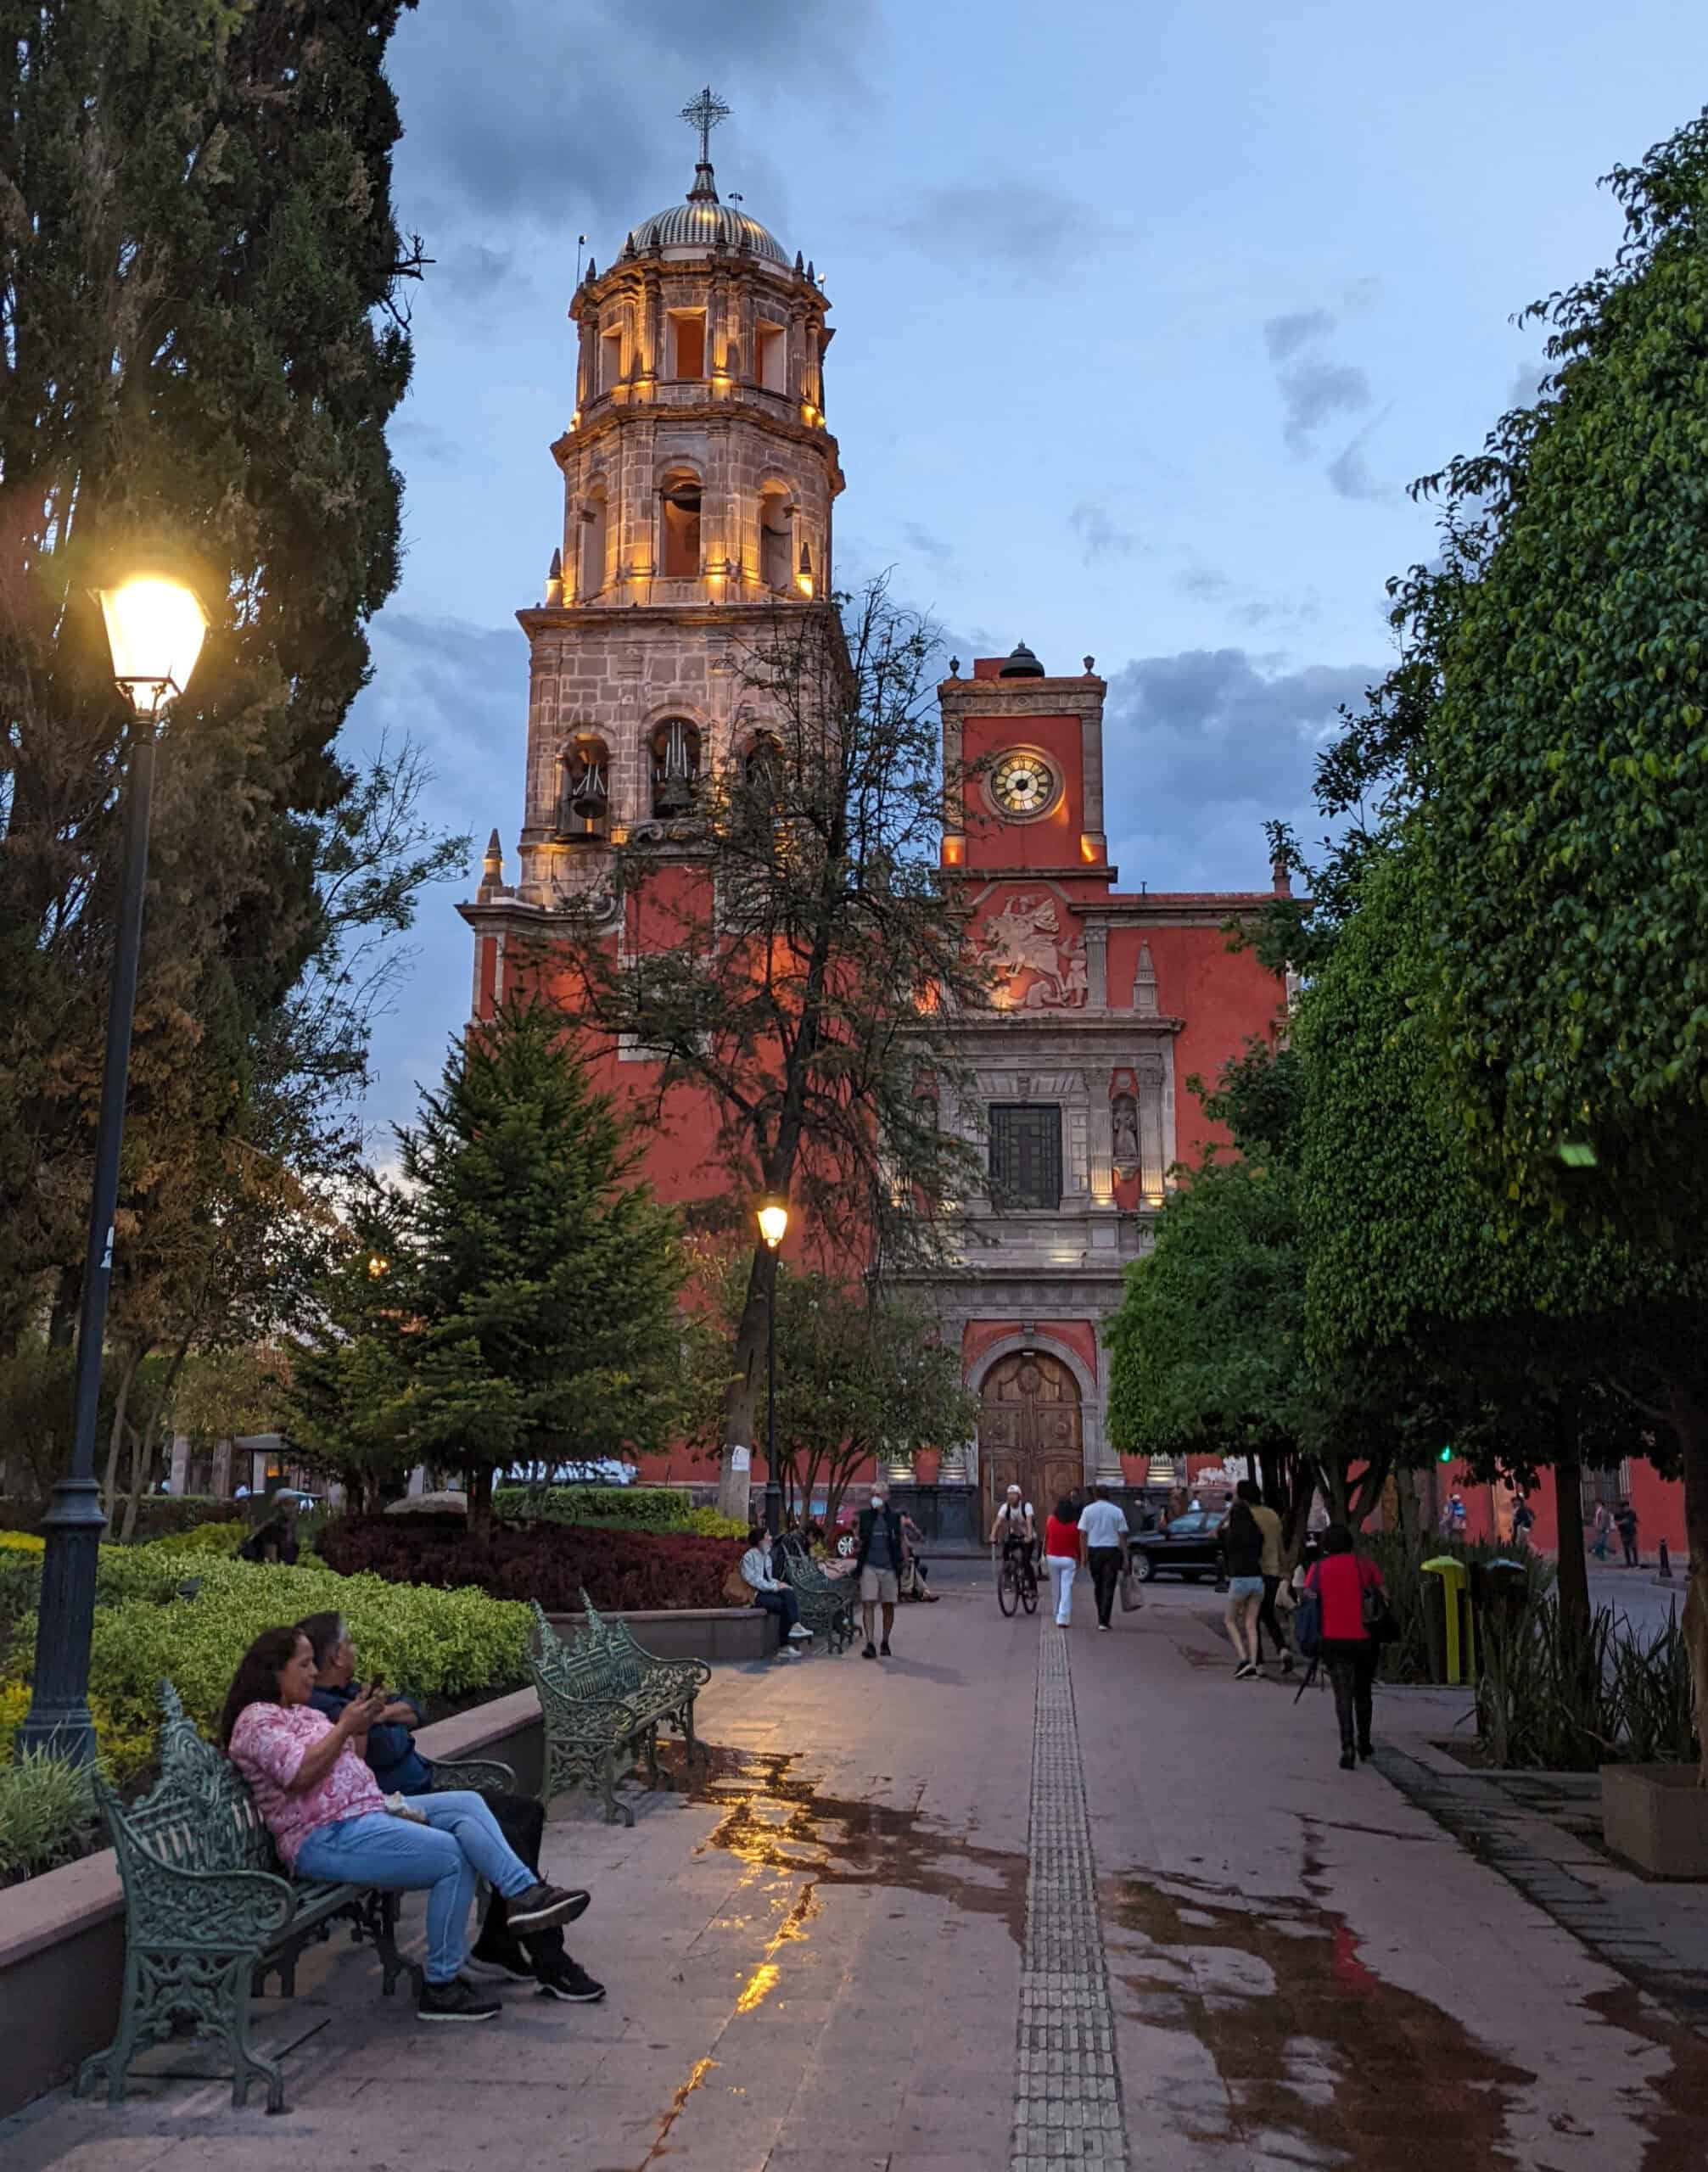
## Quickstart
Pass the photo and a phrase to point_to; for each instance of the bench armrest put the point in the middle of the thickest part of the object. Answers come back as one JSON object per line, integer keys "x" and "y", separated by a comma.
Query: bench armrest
{"x": 217, "y": 1909}
{"x": 474, "y": 1774}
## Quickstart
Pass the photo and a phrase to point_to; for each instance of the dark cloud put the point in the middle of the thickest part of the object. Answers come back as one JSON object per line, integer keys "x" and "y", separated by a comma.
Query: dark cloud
{"x": 1312, "y": 392}
{"x": 1100, "y": 535}
{"x": 1284, "y": 335}
{"x": 419, "y": 440}
{"x": 476, "y": 273}
{"x": 1348, "y": 472}
{"x": 1021, "y": 223}
{"x": 1248, "y": 606}
{"x": 565, "y": 118}
{"x": 1208, "y": 731}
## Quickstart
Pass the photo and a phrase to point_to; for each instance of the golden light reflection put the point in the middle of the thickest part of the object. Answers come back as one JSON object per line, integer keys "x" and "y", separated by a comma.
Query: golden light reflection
{"x": 758, "y": 1986}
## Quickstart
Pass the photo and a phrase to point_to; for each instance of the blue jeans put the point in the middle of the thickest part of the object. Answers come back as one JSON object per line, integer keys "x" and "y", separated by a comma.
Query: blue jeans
{"x": 784, "y": 1604}
{"x": 459, "y": 1843}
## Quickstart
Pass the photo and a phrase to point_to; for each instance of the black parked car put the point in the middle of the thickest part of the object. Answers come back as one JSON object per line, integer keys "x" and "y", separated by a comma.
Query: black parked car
{"x": 1190, "y": 1547}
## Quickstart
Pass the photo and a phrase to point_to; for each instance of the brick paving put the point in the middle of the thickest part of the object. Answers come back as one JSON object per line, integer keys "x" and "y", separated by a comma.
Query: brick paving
{"x": 926, "y": 1915}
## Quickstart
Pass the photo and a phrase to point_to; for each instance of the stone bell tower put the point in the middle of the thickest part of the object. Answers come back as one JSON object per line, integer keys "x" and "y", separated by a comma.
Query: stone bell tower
{"x": 699, "y": 479}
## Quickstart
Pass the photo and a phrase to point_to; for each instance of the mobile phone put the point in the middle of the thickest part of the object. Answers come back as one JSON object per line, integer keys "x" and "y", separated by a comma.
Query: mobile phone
{"x": 376, "y": 1685}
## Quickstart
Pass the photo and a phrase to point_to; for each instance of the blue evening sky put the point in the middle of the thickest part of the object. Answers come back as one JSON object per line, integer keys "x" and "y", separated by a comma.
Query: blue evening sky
{"x": 1145, "y": 316}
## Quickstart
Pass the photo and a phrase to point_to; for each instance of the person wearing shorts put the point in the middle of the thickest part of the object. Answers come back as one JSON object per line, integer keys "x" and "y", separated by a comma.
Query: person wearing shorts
{"x": 877, "y": 1564}
{"x": 1242, "y": 1546}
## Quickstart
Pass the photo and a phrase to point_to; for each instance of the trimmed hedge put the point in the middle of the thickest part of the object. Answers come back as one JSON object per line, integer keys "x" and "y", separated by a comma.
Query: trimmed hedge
{"x": 549, "y": 1561}
{"x": 612, "y": 1507}
{"x": 158, "y": 1514}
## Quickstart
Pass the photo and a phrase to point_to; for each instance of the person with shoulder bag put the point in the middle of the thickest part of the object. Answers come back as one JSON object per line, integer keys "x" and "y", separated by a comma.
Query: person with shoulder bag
{"x": 1353, "y": 1622}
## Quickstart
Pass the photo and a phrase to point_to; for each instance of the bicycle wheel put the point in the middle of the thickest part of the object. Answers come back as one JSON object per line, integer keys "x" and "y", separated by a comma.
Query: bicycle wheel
{"x": 1028, "y": 1593}
{"x": 1007, "y": 1588}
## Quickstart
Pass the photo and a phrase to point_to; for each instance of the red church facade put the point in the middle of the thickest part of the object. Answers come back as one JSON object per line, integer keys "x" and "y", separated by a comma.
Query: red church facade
{"x": 699, "y": 482}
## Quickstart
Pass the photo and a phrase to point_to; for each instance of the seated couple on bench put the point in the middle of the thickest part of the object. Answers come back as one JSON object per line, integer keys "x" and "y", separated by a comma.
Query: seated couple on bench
{"x": 310, "y": 1746}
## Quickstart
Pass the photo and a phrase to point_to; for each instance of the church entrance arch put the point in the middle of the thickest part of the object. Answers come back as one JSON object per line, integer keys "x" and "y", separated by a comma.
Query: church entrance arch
{"x": 1031, "y": 1431}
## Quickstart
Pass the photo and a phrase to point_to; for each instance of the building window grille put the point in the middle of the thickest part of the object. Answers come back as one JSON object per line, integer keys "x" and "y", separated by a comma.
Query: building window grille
{"x": 1025, "y": 1155}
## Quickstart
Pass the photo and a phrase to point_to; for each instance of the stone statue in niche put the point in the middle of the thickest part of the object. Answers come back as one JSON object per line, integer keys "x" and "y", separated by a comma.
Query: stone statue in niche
{"x": 1125, "y": 1108}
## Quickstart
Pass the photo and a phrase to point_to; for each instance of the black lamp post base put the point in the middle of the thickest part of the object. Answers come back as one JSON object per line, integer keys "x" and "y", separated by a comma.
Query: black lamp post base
{"x": 59, "y": 1721}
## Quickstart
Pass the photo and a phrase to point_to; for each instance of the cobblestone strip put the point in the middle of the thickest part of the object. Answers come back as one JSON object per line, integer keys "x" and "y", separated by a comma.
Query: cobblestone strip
{"x": 1067, "y": 2102}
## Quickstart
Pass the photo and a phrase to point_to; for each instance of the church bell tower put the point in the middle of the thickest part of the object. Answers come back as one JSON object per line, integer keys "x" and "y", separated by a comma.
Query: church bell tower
{"x": 698, "y": 480}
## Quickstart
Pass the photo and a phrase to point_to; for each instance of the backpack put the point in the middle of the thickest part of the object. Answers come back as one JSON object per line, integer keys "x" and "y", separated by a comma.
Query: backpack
{"x": 1308, "y": 1623}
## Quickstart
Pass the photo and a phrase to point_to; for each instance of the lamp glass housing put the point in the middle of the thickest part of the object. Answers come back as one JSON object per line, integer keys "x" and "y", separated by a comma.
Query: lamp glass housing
{"x": 154, "y": 630}
{"x": 773, "y": 1221}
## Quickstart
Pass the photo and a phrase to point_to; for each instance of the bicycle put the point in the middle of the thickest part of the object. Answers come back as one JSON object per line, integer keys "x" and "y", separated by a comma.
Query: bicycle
{"x": 1017, "y": 1584}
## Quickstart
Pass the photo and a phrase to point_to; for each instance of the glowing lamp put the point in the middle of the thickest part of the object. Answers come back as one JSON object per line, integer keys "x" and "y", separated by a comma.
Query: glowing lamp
{"x": 378, "y": 1265}
{"x": 773, "y": 1212}
{"x": 154, "y": 630}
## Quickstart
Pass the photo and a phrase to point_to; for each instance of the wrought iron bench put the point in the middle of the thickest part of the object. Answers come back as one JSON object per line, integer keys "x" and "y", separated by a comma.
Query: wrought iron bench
{"x": 594, "y": 1734}
{"x": 210, "y": 1911}
{"x": 666, "y": 1687}
{"x": 827, "y": 1603}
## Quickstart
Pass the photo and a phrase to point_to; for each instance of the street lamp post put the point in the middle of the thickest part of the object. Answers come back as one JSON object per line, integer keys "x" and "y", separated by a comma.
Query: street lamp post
{"x": 773, "y": 1222}
{"x": 154, "y": 630}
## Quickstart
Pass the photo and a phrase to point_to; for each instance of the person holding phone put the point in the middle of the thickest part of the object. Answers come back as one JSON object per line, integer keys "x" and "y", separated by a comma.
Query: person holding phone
{"x": 330, "y": 1821}
{"x": 388, "y": 1744}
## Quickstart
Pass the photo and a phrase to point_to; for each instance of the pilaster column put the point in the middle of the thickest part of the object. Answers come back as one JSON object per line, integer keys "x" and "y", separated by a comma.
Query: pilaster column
{"x": 1151, "y": 1162}
{"x": 1096, "y": 967}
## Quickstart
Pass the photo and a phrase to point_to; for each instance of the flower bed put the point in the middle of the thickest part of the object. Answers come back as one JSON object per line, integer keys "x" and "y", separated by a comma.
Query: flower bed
{"x": 550, "y": 1562}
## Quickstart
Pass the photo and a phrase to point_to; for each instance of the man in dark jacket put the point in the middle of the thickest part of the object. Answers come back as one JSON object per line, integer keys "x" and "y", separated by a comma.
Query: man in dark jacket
{"x": 878, "y": 1563}
{"x": 398, "y": 1766}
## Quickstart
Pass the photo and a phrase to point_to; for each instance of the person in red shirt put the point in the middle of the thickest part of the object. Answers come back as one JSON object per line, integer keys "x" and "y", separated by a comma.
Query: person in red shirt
{"x": 1349, "y": 1652}
{"x": 1061, "y": 1555}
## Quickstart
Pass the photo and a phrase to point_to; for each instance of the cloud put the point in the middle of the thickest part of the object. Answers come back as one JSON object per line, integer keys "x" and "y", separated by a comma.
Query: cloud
{"x": 1526, "y": 383}
{"x": 563, "y": 118}
{"x": 1100, "y": 537}
{"x": 1208, "y": 733}
{"x": 1248, "y": 606}
{"x": 1348, "y": 472}
{"x": 1284, "y": 335}
{"x": 1021, "y": 223}
{"x": 475, "y": 271}
{"x": 1312, "y": 392}
{"x": 938, "y": 553}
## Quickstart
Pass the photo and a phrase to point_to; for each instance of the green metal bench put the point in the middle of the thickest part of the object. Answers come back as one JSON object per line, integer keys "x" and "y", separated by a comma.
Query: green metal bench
{"x": 827, "y": 1603}
{"x": 666, "y": 1688}
{"x": 210, "y": 1912}
{"x": 594, "y": 1735}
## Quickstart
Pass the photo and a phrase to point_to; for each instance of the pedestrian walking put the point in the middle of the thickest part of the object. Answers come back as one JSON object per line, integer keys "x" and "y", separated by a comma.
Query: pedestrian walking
{"x": 1523, "y": 1521}
{"x": 1344, "y": 1581}
{"x": 878, "y": 1563}
{"x": 1456, "y": 1516}
{"x": 1601, "y": 1529}
{"x": 1625, "y": 1517}
{"x": 1270, "y": 1526}
{"x": 1103, "y": 1526}
{"x": 1242, "y": 1554}
{"x": 1061, "y": 1556}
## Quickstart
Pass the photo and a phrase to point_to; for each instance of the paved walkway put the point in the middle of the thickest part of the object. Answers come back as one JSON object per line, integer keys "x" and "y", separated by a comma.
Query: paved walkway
{"x": 1011, "y": 1901}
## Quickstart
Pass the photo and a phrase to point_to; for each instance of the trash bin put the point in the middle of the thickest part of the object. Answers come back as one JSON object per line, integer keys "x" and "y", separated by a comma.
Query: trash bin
{"x": 1459, "y": 1653}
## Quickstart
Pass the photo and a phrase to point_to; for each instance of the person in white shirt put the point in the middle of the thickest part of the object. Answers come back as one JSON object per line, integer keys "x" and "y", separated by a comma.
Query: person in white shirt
{"x": 772, "y": 1594}
{"x": 1016, "y": 1531}
{"x": 1103, "y": 1526}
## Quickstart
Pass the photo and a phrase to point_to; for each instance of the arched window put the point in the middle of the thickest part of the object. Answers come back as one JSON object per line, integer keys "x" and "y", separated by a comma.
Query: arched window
{"x": 762, "y": 766}
{"x": 674, "y": 750}
{"x": 595, "y": 533}
{"x": 583, "y": 787}
{"x": 776, "y": 539}
{"x": 681, "y": 523}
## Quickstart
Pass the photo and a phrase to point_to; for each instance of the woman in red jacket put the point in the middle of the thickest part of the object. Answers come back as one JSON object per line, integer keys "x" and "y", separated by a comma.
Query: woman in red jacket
{"x": 1061, "y": 1555}
{"x": 1349, "y": 1652}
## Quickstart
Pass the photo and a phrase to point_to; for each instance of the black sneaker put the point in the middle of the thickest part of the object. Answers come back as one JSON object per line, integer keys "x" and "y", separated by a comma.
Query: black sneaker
{"x": 508, "y": 1962}
{"x": 1366, "y": 1750}
{"x": 542, "y": 1905}
{"x": 457, "y": 2000}
{"x": 883, "y": 1649}
{"x": 570, "y": 1982}
{"x": 870, "y": 1653}
{"x": 1348, "y": 1761}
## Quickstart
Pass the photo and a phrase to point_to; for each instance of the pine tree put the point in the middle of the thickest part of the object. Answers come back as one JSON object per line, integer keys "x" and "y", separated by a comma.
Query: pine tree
{"x": 542, "y": 1279}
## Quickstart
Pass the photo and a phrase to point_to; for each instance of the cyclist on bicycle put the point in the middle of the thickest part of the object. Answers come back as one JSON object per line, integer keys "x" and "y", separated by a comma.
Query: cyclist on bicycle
{"x": 1015, "y": 1532}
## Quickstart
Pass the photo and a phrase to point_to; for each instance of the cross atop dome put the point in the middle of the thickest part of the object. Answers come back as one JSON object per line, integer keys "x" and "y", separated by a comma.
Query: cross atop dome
{"x": 703, "y": 114}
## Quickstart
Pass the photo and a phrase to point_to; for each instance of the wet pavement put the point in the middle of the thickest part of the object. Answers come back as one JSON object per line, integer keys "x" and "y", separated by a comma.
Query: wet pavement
{"x": 834, "y": 1949}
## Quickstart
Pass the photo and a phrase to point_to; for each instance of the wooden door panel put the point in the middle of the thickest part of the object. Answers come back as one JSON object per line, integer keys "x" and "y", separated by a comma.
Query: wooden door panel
{"x": 1029, "y": 1431}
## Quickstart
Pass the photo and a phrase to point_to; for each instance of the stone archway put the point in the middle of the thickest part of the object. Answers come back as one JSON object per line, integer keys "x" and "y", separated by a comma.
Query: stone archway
{"x": 1031, "y": 1431}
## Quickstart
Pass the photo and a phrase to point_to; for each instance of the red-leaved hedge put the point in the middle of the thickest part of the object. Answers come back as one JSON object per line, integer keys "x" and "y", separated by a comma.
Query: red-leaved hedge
{"x": 550, "y": 1561}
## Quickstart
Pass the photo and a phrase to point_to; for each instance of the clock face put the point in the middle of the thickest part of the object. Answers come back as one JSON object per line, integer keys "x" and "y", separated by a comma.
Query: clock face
{"x": 1022, "y": 783}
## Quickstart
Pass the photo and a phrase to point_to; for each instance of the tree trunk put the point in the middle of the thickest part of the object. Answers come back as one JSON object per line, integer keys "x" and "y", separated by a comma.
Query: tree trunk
{"x": 1690, "y": 1424}
{"x": 142, "y": 1462}
{"x": 1571, "y": 1577}
{"x": 109, "y": 1491}
{"x": 480, "y": 1482}
{"x": 743, "y": 1396}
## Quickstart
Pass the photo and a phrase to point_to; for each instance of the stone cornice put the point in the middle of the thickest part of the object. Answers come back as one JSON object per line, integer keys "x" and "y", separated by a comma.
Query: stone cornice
{"x": 627, "y": 619}
{"x": 1081, "y": 696}
{"x": 608, "y": 417}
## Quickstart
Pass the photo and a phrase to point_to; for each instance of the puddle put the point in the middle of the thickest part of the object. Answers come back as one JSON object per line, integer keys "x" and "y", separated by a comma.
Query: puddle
{"x": 775, "y": 1820}
{"x": 1675, "y": 2127}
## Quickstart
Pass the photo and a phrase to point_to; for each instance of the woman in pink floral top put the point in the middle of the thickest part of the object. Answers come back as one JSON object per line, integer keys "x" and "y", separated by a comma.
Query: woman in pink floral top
{"x": 330, "y": 1822}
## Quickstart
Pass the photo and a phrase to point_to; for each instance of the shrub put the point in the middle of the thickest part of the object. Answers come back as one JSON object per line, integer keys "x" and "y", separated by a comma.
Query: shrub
{"x": 126, "y": 1752}
{"x": 613, "y": 1507}
{"x": 439, "y": 1642}
{"x": 157, "y": 1514}
{"x": 46, "y": 1816}
{"x": 224, "y": 1537}
{"x": 1406, "y": 1659}
{"x": 548, "y": 1561}
{"x": 22, "y": 1542}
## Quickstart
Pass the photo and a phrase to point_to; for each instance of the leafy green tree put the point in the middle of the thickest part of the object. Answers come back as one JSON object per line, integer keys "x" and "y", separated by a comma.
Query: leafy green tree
{"x": 537, "y": 1281}
{"x": 203, "y": 340}
{"x": 1565, "y": 833}
{"x": 807, "y": 962}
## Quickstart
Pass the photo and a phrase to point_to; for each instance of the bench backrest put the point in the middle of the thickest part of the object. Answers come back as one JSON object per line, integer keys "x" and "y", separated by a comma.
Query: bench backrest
{"x": 200, "y": 1814}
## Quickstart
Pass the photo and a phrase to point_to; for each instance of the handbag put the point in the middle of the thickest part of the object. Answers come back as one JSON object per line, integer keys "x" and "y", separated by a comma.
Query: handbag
{"x": 737, "y": 1590}
{"x": 1130, "y": 1600}
{"x": 1379, "y": 1626}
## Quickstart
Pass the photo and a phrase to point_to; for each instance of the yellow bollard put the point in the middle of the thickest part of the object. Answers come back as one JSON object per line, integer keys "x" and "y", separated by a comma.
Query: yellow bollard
{"x": 1460, "y": 1667}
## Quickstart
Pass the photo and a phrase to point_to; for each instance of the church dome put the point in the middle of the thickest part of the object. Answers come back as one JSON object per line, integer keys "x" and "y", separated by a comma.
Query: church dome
{"x": 702, "y": 223}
